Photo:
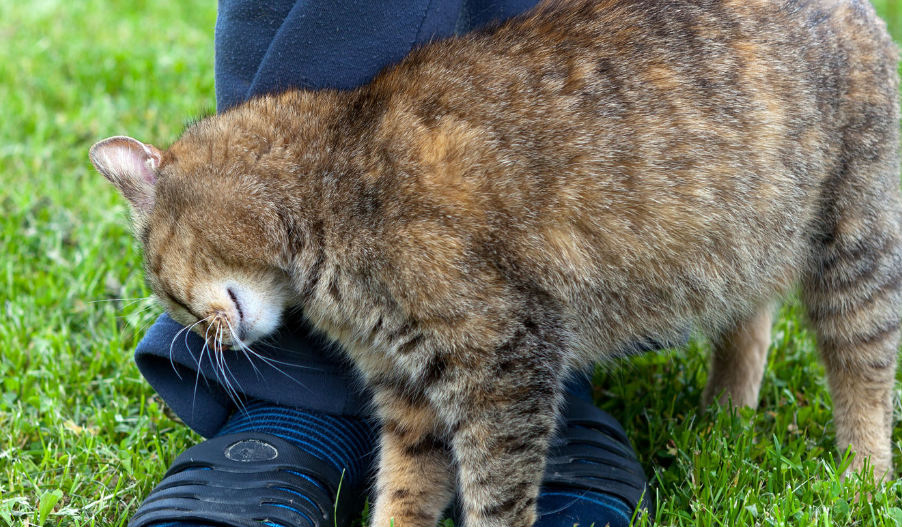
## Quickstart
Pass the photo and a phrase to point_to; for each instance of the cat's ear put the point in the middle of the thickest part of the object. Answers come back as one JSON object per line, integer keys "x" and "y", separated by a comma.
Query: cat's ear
{"x": 130, "y": 165}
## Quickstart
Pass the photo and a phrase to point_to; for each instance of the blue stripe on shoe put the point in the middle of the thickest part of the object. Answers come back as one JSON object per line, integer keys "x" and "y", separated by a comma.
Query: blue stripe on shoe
{"x": 335, "y": 431}
{"x": 329, "y": 424}
{"x": 326, "y": 433}
{"x": 356, "y": 430}
{"x": 346, "y": 443}
{"x": 298, "y": 494}
{"x": 588, "y": 506}
{"x": 353, "y": 465}
{"x": 308, "y": 478}
{"x": 288, "y": 435}
{"x": 292, "y": 509}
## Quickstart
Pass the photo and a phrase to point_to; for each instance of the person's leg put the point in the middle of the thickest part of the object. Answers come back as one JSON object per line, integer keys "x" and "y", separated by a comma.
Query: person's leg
{"x": 318, "y": 43}
{"x": 296, "y": 391}
{"x": 479, "y": 13}
{"x": 592, "y": 474}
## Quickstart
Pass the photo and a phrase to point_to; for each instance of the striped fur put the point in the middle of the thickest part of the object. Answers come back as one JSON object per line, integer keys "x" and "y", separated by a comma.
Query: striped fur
{"x": 501, "y": 209}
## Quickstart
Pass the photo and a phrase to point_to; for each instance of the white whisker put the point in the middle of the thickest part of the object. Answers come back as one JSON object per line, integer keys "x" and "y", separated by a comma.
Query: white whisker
{"x": 288, "y": 364}
{"x": 119, "y": 300}
{"x": 217, "y": 348}
{"x": 241, "y": 347}
{"x": 269, "y": 344}
{"x": 205, "y": 337}
{"x": 142, "y": 328}
{"x": 133, "y": 313}
{"x": 207, "y": 347}
{"x": 271, "y": 364}
{"x": 148, "y": 306}
{"x": 171, "y": 344}
{"x": 197, "y": 376}
{"x": 228, "y": 371}
{"x": 235, "y": 395}
{"x": 213, "y": 350}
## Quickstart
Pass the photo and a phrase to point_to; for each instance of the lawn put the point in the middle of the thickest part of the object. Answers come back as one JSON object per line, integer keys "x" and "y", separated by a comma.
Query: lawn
{"x": 83, "y": 438}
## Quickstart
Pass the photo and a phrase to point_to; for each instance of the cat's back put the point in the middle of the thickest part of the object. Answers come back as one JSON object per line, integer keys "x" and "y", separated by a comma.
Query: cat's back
{"x": 645, "y": 80}
{"x": 619, "y": 72}
{"x": 664, "y": 111}
{"x": 670, "y": 149}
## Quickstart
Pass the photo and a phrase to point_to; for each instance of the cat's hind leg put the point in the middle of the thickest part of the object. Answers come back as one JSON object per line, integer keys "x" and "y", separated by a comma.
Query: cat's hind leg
{"x": 853, "y": 285}
{"x": 853, "y": 296}
{"x": 738, "y": 358}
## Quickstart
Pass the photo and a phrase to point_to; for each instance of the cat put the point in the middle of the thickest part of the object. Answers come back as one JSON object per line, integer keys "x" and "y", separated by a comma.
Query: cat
{"x": 503, "y": 208}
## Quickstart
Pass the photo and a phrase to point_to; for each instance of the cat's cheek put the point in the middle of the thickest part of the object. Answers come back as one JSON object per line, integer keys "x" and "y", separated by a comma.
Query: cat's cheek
{"x": 265, "y": 323}
{"x": 180, "y": 316}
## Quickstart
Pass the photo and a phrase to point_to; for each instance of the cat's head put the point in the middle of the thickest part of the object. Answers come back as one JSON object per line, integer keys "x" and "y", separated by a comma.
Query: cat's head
{"x": 215, "y": 242}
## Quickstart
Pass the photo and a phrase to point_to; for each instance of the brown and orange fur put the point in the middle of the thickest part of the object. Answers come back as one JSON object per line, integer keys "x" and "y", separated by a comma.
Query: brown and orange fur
{"x": 506, "y": 207}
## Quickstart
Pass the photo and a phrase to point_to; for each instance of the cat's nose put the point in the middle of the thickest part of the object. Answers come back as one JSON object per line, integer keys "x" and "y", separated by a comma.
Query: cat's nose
{"x": 227, "y": 326}
{"x": 223, "y": 330}
{"x": 236, "y": 303}
{"x": 238, "y": 315}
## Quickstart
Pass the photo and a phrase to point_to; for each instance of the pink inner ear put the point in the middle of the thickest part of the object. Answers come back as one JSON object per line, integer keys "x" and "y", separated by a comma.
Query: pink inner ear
{"x": 152, "y": 162}
{"x": 130, "y": 165}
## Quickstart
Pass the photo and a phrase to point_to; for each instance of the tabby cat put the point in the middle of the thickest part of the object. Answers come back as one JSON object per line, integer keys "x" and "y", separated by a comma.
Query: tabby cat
{"x": 501, "y": 209}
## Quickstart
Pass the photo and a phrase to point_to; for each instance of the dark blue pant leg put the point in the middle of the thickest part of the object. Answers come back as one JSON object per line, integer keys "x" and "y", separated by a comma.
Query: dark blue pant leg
{"x": 318, "y": 43}
{"x": 478, "y": 13}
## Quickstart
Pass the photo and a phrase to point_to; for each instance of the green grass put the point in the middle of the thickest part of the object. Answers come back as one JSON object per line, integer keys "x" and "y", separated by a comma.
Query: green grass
{"x": 77, "y": 422}
{"x": 774, "y": 466}
{"x": 82, "y": 436}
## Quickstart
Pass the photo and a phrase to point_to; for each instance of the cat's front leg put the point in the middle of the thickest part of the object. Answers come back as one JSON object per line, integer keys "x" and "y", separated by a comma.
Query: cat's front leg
{"x": 500, "y": 447}
{"x": 416, "y": 479}
{"x": 502, "y": 410}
